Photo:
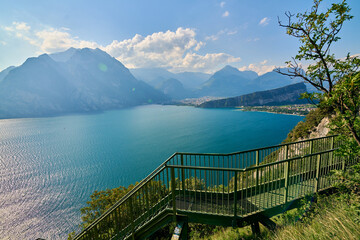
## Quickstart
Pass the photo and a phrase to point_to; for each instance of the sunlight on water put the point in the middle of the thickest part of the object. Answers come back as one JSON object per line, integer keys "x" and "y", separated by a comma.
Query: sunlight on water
{"x": 50, "y": 166}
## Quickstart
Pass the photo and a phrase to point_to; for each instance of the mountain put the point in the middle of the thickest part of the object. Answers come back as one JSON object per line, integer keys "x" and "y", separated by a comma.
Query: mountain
{"x": 174, "y": 89}
{"x": 5, "y": 72}
{"x": 88, "y": 80}
{"x": 63, "y": 56}
{"x": 228, "y": 81}
{"x": 152, "y": 76}
{"x": 249, "y": 74}
{"x": 271, "y": 80}
{"x": 281, "y": 96}
{"x": 155, "y": 76}
{"x": 192, "y": 80}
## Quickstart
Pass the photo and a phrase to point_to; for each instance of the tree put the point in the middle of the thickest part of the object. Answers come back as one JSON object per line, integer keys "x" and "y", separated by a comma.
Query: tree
{"x": 100, "y": 202}
{"x": 317, "y": 31}
{"x": 346, "y": 96}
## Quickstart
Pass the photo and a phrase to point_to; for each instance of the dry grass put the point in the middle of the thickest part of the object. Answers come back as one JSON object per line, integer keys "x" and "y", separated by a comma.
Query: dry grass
{"x": 334, "y": 219}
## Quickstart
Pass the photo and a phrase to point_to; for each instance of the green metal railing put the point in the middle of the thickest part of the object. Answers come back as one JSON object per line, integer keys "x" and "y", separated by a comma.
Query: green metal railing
{"x": 233, "y": 185}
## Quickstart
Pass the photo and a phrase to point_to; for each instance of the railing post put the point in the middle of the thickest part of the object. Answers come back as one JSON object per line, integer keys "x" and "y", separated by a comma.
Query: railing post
{"x": 147, "y": 199}
{"x": 257, "y": 169}
{"x": 286, "y": 187}
{"x": 182, "y": 173}
{"x": 235, "y": 194}
{"x": 172, "y": 173}
{"x": 331, "y": 153}
{"x": 311, "y": 146}
{"x": 318, "y": 163}
{"x": 132, "y": 218}
{"x": 344, "y": 162}
{"x": 286, "y": 174}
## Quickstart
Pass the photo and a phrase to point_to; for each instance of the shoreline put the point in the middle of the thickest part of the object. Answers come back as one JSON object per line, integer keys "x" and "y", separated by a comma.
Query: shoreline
{"x": 279, "y": 113}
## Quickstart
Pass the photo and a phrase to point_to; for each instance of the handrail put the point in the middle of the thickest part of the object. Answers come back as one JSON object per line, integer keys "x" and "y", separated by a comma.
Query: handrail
{"x": 254, "y": 149}
{"x": 126, "y": 196}
{"x": 252, "y": 167}
{"x": 165, "y": 165}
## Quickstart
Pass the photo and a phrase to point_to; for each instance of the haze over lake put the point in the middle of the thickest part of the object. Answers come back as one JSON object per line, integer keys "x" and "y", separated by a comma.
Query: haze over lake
{"x": 50, "y": 166}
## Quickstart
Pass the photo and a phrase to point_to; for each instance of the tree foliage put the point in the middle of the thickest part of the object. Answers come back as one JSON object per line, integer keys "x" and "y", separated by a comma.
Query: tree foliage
{"x": 317, "y": 32}
{"x": 100, "y": 202}
{"x": 346, "y": 96}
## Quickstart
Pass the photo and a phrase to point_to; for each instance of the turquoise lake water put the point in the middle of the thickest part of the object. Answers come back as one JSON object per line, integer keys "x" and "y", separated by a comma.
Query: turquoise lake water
{"x": 50, "y": 166}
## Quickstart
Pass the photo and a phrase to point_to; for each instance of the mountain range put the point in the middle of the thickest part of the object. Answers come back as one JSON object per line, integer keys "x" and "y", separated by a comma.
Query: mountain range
{"x": 88, "y": 80}
{"x": 155, "y": 76}
{"x": 77, "y": 80}
{"x": 227, "y": 82}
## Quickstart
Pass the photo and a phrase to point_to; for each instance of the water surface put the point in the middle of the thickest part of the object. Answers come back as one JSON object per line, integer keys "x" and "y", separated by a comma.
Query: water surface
{"x": 50, "y": 166}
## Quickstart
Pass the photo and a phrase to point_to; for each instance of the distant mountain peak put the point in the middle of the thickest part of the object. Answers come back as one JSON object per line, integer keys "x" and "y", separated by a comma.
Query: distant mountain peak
{"x": 229, "y": 69}
{"x": 63, "y": 56}
{"x": 44, "y": 58}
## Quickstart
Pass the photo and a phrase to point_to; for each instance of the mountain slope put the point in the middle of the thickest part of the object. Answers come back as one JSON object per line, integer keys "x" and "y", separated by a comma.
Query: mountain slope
{"x": 89, "y": 80}
{"x": 280, "y": 96}
{"x": 192, "y": 80}
{"x": 271, "y": 80}
{"x": 174, "y": 89}
{"x": 228, "y": 81}
{"x": 63, "y": 56}
{"x": 5, "y": 72}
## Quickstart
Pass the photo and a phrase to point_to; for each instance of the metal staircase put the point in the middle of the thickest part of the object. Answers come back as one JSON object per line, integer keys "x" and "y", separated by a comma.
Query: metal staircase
{"x": 233, "y": 189}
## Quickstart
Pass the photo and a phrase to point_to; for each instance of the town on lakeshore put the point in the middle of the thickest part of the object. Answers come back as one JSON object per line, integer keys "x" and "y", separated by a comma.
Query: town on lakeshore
{"x": 297, "y": 109}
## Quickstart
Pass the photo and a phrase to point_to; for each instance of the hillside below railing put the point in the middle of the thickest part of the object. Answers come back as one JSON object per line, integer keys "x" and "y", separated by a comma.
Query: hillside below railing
{"x": 230, "y": 187}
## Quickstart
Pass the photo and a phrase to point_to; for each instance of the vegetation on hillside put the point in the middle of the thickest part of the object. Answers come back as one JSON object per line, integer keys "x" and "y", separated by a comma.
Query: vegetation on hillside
{"x": 303, "y": 129}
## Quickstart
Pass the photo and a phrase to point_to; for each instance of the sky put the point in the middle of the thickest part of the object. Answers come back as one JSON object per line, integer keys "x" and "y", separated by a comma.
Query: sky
{"x": 183, "y": 35}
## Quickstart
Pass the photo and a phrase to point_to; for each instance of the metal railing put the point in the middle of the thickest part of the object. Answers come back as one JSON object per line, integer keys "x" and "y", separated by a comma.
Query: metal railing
{"x": 237, "y": 184}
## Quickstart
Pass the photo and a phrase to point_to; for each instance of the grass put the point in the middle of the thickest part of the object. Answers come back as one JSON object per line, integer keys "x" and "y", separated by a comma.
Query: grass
{"x": 333, "y": 217}
{"x": 335, "y": 220}
{"x": 232, "y": 234}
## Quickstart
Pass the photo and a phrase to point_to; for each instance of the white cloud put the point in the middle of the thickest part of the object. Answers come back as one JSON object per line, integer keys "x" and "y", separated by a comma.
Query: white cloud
{"x": 231, "y": 32}
{"x": 21, "y": 26}
{"x": 265, "y": 21}
{"x": 222, "y": 4}
{"x": 17, "y": 27}
{"x": 207, "y": 63}
{"x": 218, "y": 34}
{"x": 226, "y": 14}
{"x": 3, "y": 43}
{"x": 53, "y": 40}
{"x": 260, "y": 68}
{"x": 8, "y": 29}
{"x": 212, "y": 37}
{"x": 253, "y": 39}
{"x": 48, "y": 40}
{"x": 174, "y": 50}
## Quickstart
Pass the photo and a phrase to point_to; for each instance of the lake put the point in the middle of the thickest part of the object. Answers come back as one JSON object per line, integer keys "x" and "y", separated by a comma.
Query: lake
{"x": 50, "y": 166}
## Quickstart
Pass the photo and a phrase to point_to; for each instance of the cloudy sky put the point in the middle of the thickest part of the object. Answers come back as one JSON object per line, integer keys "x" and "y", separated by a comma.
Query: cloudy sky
{"x": 183, "y": 35}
